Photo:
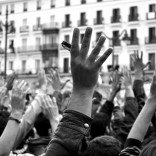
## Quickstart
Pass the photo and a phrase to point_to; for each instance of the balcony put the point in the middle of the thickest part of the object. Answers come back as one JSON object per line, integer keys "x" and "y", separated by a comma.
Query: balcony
{"x": 98, "y": 21}
{"x": 134, "y": 41}
{"x": 52, "y": 46}
{"x": 25, "y": 10}
{"x": 29, "y": 49}
{"x": 52, "y": 6}
{"x": 12, "y": 11}
{"x": 149, "y": 40}
{"x": 37, "y": 28}
{"x": 49, "y": 28}
{"x": 38, "y": 8}
{"x": 82, "y": 22}
{"x": 133, "y": 18}
{"x": 24, "y": 29}
{"x": 66, "y": 24}
{"x": 151, "y": 15}
{"x": 115, "y": 19}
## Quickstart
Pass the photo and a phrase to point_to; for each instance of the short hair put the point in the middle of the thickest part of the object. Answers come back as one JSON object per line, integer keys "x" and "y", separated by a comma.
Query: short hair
{"x": 99, "y": 124}
{"x": 149, "y": 149}
{"x": 4, "y": 115}
{"x": 103, "y": 146}
{"x": 42, "y": 125}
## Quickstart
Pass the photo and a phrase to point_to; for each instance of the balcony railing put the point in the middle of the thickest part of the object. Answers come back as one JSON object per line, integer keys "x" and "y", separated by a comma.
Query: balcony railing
{"x": 50, "y": 25}
{"x": 151, "y": 15}
{"x": 82, "y": 22}
{"x": 37, "y": 27}
{"x": 29, "y": 49}
{"x": 50, "y": 46}
{"x": 150, "y": 40}
{"x": 134, "y": 41}
{"x": 66, "y": 24}
{"x": 98, "y": 21}
{"x": 133, "y": 17}
{"x": 115, "y": 19}
{"x": 24, "y": 29}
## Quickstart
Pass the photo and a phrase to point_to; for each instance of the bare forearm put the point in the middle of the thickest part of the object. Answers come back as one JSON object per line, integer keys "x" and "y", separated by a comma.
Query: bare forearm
{"x": 8, "y": 137}
{"x": 129, "y": 91}
{"x": 81, "y": 101}
{"x": 142, "y": 122}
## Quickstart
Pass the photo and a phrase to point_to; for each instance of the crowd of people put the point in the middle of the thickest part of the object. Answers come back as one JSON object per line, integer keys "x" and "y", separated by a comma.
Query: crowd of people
{"x": 80, "y": 122}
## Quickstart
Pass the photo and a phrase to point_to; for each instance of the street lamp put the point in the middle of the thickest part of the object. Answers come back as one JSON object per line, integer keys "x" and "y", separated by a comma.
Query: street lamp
{"x": 117, "y": 38}
{"x": 6, "y": 26}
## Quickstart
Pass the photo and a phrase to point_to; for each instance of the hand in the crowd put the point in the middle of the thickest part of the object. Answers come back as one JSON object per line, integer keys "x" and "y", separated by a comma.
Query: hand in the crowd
{"x": 10, "y": 82}
{"x": 116, "y": 84}
{"x": 18, "y": 98}
{"x": 54, "y": 79}
{"x": 3, "y": 91}
{"x": 42, "y": 80}
{"x": 85, "y": 69}
{"x": 139, "y": 66}
{"x": 153, "y": 88}
{"x": 127, "y": 79}
{"x": 50, "y": 108}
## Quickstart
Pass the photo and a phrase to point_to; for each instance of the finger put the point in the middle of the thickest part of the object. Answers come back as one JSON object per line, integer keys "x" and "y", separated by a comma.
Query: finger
{"x": 15, "y": 84}
{"x": 54, "y": 101}
{"x": 24, "y": 86}
{"x": 21, "y": 84}
{"x": 135, "y": 54}
{"x": 97, "y": 49}
{"x": 75, "y": 44}
{"x": 102, "y": 59}
{"x": 86, "y": 43}
{"x": 141, "y": 55}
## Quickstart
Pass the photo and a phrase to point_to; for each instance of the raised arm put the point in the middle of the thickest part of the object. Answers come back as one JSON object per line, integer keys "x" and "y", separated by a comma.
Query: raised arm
{"x": 10, "y": 132}
{"x": 74, "y": 126}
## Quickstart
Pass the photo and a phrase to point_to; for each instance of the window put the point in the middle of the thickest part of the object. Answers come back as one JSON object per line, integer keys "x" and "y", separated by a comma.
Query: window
{"x": 99, "y": 17}
{"x": 67, "y": 20}
{"x": 11, "y": 46}
{"x": 25, "y": 22}
{"x": 116, "y": 41}
{"x": 52, "y": 3}
{"x": 81, "y": 38}
{"x": 11, "y": 65}
{"x": 24, "y": 42}
{"x": 12, "y": 7}
{"x": 151, "y": 57}
{"x": 116, "y": 60}
{"x": 38, "y": 43}
{"x": 116, "y": 15}
{"x": 66, "y": 65}
{"x": 152, "y": 35}
{"x": 12, "y": 28}
{"x": 133, "y": 13}
{"x": 83, "y": 19}
{"x": 133, "y": 34}
{"x": 67, "y": 2}
{"x": 37, "y": 65}
{"x": 152, "y": 7}
{"x": 99, "y": 0}
{"x": 66, "y": 38}
{"x": 131, "y": 62}
{"x": 25, "y": 6}
{"x": 23, "y": 66}
{"x": 38, "y": 4}
{"x": 38, "y": 21}
{"x": 83, "y": 1}
{"x": 98, "y": 34}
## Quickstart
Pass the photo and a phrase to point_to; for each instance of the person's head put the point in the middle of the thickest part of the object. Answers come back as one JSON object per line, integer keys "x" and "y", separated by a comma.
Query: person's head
{"x": 99, "y": 124}
{"x": 149, "y": 149}
{"x": 42, "y": 125}
{"x": 4, "y": 115}
{"x": 103, "y": 146}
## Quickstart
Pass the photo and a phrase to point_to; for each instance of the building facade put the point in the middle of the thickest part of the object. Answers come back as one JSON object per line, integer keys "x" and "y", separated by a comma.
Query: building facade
{"x": 41, "y": 26}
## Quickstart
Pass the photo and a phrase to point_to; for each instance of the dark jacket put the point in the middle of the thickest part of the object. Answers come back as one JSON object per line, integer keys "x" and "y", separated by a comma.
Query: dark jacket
{"x": 70, "y": 135}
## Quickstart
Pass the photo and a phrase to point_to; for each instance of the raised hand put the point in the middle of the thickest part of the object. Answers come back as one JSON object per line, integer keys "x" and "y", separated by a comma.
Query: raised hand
{"x": 153, "y": 88}
{"x": 10, "y": 82}
{"x": 18, "y": 99}
{"x": 85, "y": 69}
{"x": 116, "y": 84}
{"x": 3, "y": 91}
{"x": 42, "y": 80}
{"x": 127, "y": 79}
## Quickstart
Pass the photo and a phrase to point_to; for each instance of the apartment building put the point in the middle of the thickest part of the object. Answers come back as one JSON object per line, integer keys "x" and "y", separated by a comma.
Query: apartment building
{"x": 39, "y": 27}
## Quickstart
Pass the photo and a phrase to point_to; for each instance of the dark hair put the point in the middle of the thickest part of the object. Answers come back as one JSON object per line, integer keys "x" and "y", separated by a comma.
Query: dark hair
{"x": 99, "y": 124}
{"x": 3, "y": 120}
{"x": 103, "y": 146}
{"x": 149, "y": 149}
{"x": 42, "y": 125}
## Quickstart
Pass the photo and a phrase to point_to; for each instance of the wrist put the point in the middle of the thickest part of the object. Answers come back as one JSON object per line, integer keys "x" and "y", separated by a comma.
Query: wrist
{"x": 16, "y": 115}
{"x": 138, "y": 74}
